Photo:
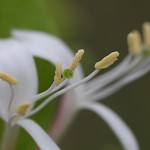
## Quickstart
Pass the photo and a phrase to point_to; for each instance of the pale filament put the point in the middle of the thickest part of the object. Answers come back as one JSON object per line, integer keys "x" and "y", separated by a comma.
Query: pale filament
{"x": 11, "y": 98}
{"x": 62, "y": 92}
{"x": 51, "y": 90}
{"x": 100, "y": 84}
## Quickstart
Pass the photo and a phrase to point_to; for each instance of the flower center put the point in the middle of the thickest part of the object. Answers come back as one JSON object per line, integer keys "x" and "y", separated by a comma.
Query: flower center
{"x": 68, "y": 73}
{"x": 61, "y": 78}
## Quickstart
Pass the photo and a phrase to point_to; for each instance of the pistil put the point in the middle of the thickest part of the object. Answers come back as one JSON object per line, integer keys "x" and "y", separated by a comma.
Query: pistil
{"x": 60, "y": 81}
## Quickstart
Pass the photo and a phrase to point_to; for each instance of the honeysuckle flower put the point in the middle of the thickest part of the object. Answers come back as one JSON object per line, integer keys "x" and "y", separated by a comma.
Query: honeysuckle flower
{"x": 90, "y": 90}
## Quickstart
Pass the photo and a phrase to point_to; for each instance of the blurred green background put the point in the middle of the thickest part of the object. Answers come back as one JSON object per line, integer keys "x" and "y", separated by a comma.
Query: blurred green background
{"x": 98, "y": 26}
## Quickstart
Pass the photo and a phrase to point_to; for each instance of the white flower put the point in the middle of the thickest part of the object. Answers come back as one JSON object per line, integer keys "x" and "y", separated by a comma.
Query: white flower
{"x": 18, "y": 87}
{"x": 89, "y": 92}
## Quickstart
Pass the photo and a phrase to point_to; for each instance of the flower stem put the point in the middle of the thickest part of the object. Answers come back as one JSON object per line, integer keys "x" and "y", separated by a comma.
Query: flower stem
{"x": 9, "y": 137}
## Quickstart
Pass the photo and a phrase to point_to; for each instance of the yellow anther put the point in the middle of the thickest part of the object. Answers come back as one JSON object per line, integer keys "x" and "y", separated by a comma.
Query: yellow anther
{"x": 146, "y": 33}
{"x": 76, "y": 59}
{"x": 134, "y": 43}
{"x": 58, "y": 73}
{"x": 8, "y": 78}
{"x": 22, "y": 109}
{"x": 107, "y": 61}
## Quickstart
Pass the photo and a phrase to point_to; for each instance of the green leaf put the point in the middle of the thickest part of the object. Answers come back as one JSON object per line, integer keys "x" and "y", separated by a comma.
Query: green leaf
{"x": 147, "y": 51}
{"x": 24, "y": 14}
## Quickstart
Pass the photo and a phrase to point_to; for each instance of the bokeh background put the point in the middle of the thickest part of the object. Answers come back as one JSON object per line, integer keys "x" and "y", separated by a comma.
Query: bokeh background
{"x": 98, "y": 26}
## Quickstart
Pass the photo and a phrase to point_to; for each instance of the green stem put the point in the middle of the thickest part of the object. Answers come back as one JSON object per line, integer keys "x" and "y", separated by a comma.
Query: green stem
{"x": 9, "y": 137}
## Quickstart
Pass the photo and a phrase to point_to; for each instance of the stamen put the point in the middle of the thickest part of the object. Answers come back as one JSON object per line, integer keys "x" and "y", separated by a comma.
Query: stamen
{"x": 61, "y": 92}
{"x": 104, "y": 63}
{"x": 134, "y": 43}
{"x": 58, "y": 73}
{"x": 22, "y": 109}
{"x": 8, "y": 78}
{"x": 146, "y": 33}
{"x": 107, "y": 61}
{"x": 76, "y": 59}
{"x": 49, "y": 91}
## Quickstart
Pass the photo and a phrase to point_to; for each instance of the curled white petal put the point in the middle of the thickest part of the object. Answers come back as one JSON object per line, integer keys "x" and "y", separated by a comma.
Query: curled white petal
{"x": 118, "y": 126}
{"x": 49, "y": 47}
{"x": 38, "y": 134}
{"x": 46, "y": 46}
{"x": 18, "y": 62}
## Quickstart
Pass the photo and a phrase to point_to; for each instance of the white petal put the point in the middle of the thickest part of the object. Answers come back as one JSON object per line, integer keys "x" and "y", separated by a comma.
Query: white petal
{"x": 3, "y": 114}
{"x": 46, "y": 46}
{"x": 38, "y": 134}
{"x": 118, "y": 126}
{"x": 18, "y": 62}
